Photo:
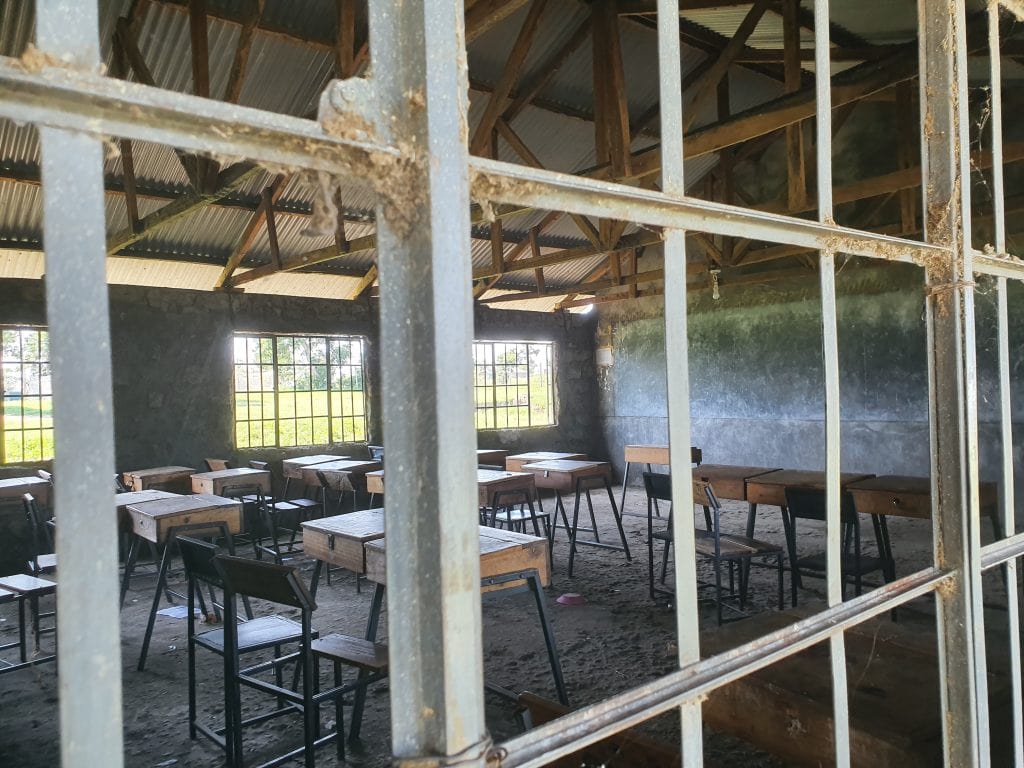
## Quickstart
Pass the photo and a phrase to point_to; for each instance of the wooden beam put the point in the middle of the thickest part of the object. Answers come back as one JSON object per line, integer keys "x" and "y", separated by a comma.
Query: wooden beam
{"x": 484, "y": 285}
{"x": 230, "y": 179}
{"x": 130, "y": 200}
{"x": 365, "y": 283}
{"x": 597, "y": 285}
{"x": 509, "y": 77}
{"x": 236, "y": 78}
{"x": 644, "y": 237}
{"x": 250, "y": 232}
{"x": 200, "y": 47}
{"x": 345, "y": 46}
{"x": 518, "y": 146}
{"x": 796, "y": 173}
{"x": 906, "y": 147}
{"x": 547, "y": 70}
{"x": 709, "y": 83}
{"x": 483, "y": 15}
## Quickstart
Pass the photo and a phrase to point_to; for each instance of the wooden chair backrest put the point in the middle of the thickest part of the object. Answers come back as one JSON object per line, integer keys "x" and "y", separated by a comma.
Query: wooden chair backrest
{"x": 197, "y": 557}
{"x": 264, "y": 580}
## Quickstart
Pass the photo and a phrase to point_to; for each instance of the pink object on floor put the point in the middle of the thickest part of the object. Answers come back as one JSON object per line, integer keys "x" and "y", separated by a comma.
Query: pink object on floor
{"x": 571, "y": 598}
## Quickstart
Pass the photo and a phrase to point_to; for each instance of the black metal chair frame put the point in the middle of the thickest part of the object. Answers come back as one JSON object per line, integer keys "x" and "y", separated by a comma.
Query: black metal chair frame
{"x": 197, "y": 557}
{"x": 809, "y": 504}
{"x": 281, "y": 585}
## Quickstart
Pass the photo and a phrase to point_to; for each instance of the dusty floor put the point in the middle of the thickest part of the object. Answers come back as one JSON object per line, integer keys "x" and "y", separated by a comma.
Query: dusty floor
{"x": 616, "y": 640}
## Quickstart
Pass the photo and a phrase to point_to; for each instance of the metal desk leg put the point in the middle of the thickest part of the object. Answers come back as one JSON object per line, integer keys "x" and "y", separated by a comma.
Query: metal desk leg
{"x": 371, "y": 634}
{"x": 625, "y": 481}
{"x": 575, "y": 524}
{"x": 314, "y": 578}
{"x": 618, "y": 519}
{"x": 549, "y": 637}
{"x": 161, "y": 579}
{"x": 560, "y": 507}
{"x": 129, "y": 566}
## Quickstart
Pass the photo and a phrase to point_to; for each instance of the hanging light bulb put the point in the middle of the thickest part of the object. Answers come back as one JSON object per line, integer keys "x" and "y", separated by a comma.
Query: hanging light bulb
{"x": 714, "y": 283}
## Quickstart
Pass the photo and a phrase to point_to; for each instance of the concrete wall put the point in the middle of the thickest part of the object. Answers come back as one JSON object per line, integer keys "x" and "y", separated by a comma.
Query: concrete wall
{"x": 757, "y": 387}
{"x": 172, "y": 367}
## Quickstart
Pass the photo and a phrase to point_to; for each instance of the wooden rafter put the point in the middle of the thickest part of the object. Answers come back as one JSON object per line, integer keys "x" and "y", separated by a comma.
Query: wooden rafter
{"x": 737, "y": 43}
{"x": 251, "y": 230}
{"x": 547, "y": 70}
{"x": 796, "y": 172}
{"x": 206, "y": 169}
{"x": 509, "y": 77}
{"x": 345, "y": 46}
{"x": 236, "y": 77}
{"x": 484, "y": 15}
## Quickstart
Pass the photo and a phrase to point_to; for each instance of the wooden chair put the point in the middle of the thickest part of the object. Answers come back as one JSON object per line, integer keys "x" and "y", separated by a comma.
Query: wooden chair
{"x": 282, "y": 585}
{"x": 376, "y": 452}
{"x": 720, "y": 548}
{"x": 41, "y": 555}
{"x": 258, "y": 634}
{"x": 310, "y": 507}
{"x": 810, "y": 504}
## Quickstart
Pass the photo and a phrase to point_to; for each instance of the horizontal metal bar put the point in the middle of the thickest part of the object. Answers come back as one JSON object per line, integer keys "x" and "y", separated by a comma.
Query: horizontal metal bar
{"x": 497, "y": 181}
{"x": 998, "y": 266}
{"x": 64, "y": 98}
{"x": 1002, "y": 551}
{"x": 583, "y": 727}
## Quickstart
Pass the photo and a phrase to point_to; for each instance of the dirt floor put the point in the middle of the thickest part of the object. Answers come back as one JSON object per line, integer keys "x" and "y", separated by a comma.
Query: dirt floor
{"x": 617, "y": 639}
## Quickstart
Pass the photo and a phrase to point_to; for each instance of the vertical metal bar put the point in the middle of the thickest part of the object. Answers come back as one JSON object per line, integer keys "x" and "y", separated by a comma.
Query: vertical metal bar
{"x": 426, "y": 317}
{"x": 88, "y": 625}
{"x": 1006, "y": 414}
{"x": 952, "y": 379}
{"x": 830, "y": 361}
{"x": 677, "y": 361}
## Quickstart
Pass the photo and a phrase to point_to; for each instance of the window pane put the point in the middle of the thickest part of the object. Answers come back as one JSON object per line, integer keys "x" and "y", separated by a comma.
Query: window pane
{"x": 513, "y": 384}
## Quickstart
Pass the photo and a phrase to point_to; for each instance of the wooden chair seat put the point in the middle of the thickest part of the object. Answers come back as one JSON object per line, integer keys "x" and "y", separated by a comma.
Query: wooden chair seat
{"x": 733, "y": 546}
{"x": 261, "y": 632}
{"x": 353, "y": 651}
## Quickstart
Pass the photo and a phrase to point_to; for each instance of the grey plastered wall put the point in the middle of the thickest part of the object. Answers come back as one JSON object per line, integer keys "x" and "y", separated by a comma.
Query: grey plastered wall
{"x": 173, "y": 374}
{"x": 757, "y": 387}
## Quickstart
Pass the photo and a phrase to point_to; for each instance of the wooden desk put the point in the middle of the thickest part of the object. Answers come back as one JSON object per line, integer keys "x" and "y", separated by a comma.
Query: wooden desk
{"x": 161, "y": 521}
{"x": 494, "y": 458}
{"x": 292, "y": 468}
{"x": 142, "y": 479}
{"x": 337, "y": 473}
{"x": 339, "y": 540}
{"x": 214, "y": 483}
{"x": 517, "y": 462}
{"x": 648, "y": 455}
{"x": 770, "y": 488}
{"x": 578, "y": 477}
{"x": 153, "y": 520}
{"x": 123, "y": 500}
{"x": 489, "y": 483}
{"x": 16, "y": 487}
{"x": 728, "y": 481}
{"x": 507, "y": 560}
{"x": 904, "y": 496}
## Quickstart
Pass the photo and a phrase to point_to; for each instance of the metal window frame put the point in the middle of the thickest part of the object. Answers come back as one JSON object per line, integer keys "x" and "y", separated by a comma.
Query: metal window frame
{"x": 494, "y": 408}
{"x": 4, "y": 429}
{"x": 419, "y": 82}
{"x": 328, "y": 338}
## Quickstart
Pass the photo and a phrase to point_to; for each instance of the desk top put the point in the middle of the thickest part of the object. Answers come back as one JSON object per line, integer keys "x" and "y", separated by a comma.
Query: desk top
{"x": 501, "y": 553}
{"x": 178, "y": 505}
{"x": 565, "y": 465}
{"x": 22, "y": 484}
{"x": 545, "y": 456}
{"x": 123, "y": 500}
{"x": 483, "y": 476}
{"x": 365, "y": 525}
{"x": 714, "y": 472}
{"x": 156, "y": 471}
{"x": 358, "y": 466}
{"x": 803, "y": 478}
{"x": 293, "y": 467}
{"x": 223, "y": 474}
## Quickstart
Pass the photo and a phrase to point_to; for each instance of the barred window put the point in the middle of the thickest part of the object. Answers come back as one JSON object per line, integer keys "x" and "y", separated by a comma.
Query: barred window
{"x": 513, "y": 384}
{"x": 298, "y": 390}
{"x": 26, "y": 420}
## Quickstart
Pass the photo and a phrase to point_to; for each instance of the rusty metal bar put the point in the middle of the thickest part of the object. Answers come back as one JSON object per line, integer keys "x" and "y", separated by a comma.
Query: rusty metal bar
{"x": 952, "y": 382}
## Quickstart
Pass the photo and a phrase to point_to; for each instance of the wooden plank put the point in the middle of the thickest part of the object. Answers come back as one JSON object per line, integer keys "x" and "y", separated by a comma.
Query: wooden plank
{"x": 251, "y": 231}
{"x": 216, "y": 482}
{"x": 562, "y": 474}
{"x": 338, "y": 472}
{"x": 292, "y": 468}
{"x": 153, "y": 520}
{"x": 246, "y": 35}
{"x": 375, "y": 482}
{"x": 15, "y": 487}
{"x": 795, "y": 156}
{"x": 123, "y": 500}
{"x": 729, "y": 481}
{"x": 770, "y": 488}
{"x": 517, "y": 462}
{"x": 491, "y": 456}
{"x": 339, "y": 540}
{"x": 142, "y": 479}
{"x": 906, "y": 496}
